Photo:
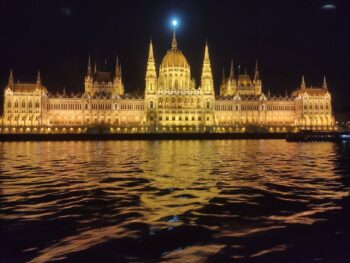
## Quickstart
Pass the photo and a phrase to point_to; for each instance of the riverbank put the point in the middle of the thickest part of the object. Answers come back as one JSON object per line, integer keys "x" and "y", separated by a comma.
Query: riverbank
{"x": 139, "y": 136}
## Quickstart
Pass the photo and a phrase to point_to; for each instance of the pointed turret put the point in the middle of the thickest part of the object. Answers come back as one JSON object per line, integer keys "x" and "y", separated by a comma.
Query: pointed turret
{"x": 207, "y": 78}
{"x": 302, "y": 85}
{"x": 118, "y": 70}
{"x": 232, "y": 71}
{"x": 89, "y": 71}
{"x": 256, "y": 74}
{"x": 118, "y": 82}
{"x": 324, "y": 84}
{"x": 223, "y": 80}
{"x": 95, "y": 69}
{"x": 151, "y": 67}
{"x": 11, "y": 81}
{"x": 38, "y": 79}
{"x": 151, "y": 74}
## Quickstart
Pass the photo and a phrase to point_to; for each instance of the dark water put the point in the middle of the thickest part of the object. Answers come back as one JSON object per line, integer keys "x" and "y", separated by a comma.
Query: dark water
{"x": 178, "y": 201}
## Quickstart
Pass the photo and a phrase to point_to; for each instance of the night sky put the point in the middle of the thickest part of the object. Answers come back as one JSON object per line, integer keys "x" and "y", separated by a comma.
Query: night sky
{"x": 289, "y": 38}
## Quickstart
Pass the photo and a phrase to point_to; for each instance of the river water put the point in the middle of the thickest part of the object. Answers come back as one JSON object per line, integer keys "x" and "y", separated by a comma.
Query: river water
{"x": 174, "y": 201}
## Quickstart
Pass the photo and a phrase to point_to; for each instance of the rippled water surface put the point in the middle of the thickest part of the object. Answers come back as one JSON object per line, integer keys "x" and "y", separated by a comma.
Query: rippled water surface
{"x": 177, "y": 201}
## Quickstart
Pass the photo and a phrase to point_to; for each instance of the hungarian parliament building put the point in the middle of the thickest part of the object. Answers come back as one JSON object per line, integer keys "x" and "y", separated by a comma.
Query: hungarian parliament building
{"x": 172, "y": 102}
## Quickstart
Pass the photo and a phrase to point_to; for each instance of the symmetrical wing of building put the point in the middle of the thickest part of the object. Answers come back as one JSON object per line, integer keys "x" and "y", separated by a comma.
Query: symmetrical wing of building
{"x": 172, "y": 102}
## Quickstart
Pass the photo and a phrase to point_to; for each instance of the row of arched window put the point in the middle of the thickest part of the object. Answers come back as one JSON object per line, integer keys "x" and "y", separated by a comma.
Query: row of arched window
{"x": 316, "y": 107}
{"x": 179, "y": 103}
{"x": 30, "y": 104}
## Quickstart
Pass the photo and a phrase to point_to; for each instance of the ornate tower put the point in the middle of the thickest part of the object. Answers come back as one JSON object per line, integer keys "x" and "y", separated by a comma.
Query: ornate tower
{"x": 89, "y": 78}
{"x": 207, "y": 83}
{"x": 207, "y": 87}
{"x": 257, "y": 80}
{"x": 231, "y": 86}
{"x": 118, "y": 81}
{"x": 11, "y": 81}
{"x": 151, "y": 74}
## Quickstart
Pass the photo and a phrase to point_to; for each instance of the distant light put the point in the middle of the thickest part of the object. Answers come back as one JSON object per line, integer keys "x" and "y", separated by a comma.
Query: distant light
{"x": 174, "y": 22}
{"x": 329, "y": 7}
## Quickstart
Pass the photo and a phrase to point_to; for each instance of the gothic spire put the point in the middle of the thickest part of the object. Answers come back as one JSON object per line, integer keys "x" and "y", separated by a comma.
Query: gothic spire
{"x": 302, "y": 82}
{"x": 206, "y": 52}
{"x": 118, "y": 72}
{"x": 207, "y": 77}
{"x": 256, "y": 75}
{"x": 38, "y": 79}
{"x": 89, "y": 72}
{"x": 11, "y": 81}
{"x": 151, "y": 67}
{"x": 324, "y": 84}
{"x": 223, "y": 81}
{"x": 95, "y": 69}
{"x": 232, "y": 71}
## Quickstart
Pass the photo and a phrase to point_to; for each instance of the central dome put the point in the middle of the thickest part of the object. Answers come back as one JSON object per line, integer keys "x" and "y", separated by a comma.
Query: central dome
{"x": 175, "y": 72}
{"x": 174, "y": 58}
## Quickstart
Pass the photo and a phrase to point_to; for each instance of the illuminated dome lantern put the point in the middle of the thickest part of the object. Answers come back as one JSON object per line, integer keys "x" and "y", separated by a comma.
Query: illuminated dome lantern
{"x": 175, "y": 72}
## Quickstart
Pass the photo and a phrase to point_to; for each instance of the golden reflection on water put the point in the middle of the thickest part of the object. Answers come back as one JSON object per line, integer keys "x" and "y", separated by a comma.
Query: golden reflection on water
{"x": 104, "y": 187}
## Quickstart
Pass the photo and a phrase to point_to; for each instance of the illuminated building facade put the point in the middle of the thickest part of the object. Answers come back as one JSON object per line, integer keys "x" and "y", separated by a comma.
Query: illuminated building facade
{"x": 172, "y": 102}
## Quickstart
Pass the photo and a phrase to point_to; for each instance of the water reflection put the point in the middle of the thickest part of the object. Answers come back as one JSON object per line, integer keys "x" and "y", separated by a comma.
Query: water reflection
{"x": 170, "y": 200}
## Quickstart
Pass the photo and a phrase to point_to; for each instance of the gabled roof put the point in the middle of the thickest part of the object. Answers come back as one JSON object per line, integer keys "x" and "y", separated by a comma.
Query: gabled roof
{"x": 102, "y": 76}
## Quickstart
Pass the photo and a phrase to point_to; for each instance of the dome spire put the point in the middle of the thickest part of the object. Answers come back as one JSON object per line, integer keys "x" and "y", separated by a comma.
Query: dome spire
{"x": 174, "y": 43}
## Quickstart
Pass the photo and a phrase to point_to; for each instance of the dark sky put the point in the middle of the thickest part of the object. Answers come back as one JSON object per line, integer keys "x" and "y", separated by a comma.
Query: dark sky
{"x": 289, "y": 38}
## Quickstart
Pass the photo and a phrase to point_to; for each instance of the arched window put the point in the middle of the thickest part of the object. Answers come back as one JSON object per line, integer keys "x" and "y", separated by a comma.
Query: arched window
{"x": 176, "y": 84}
{"x": 16, "y": 104}
{"x": 179, "y": 103}
{"x": 9, "y": 104}
{"x": 151, "y": 104}
{"x": 198, "y": 103}
{"x": 30, "y": 104}
{"x": 310, "y": 106}
{"x": 23, "y": 104}
{"x": 316, "y": 106}
{"x": 208, "y": 105}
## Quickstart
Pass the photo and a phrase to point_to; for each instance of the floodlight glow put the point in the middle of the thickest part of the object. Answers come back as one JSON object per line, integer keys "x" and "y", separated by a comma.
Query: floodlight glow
{"x": 174, "y": 22}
